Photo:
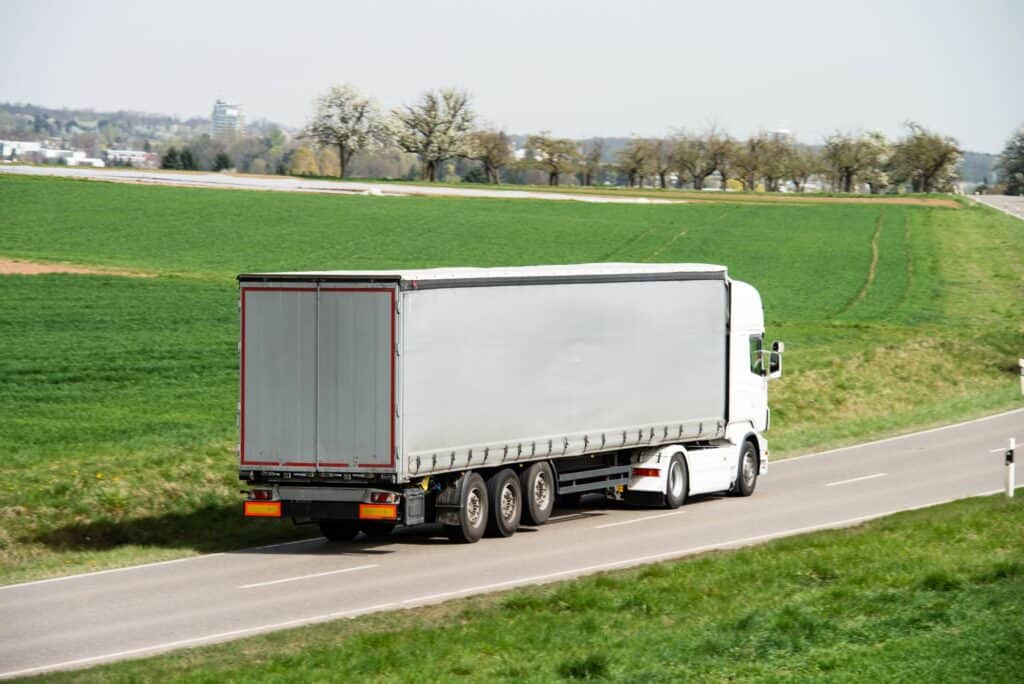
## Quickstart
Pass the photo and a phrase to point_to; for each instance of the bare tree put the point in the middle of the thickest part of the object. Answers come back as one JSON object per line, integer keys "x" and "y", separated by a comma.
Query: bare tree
{"x": 554, "y": 155}
{"x": 727, "y": 162}
{"x": 634, "y": 161}
{"x": 773, "y": 161}
{"x": 591, "y": 158}
{"x": 846, "y": 157}
{"x": 749, "y": 160}
{"x": 926, "y": 159}
{"x": 436, "y": 128}
{"x": 802, "y": 163}
{"x": 661, "y": 159}
{"x": 494, "y": 149}
{"x": 698, "y": 156}
{"x": 347, "y": 121}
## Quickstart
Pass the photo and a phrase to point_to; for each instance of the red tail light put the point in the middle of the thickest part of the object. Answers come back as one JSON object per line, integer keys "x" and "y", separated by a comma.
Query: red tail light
{"x": 261, "y": 494}
{"x": 383, "y": 497}
{"x": 646, "y": 472}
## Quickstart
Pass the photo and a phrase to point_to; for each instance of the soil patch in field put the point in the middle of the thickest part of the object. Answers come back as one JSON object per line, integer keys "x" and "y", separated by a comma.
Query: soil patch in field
{"x": 18, "y": 267}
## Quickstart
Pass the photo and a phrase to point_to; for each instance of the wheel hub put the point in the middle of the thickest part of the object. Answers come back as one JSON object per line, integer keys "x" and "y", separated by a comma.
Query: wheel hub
{"x": 508, "y": 502}
{"x": 541, "y": 491}
{"x": 474, "y": 508}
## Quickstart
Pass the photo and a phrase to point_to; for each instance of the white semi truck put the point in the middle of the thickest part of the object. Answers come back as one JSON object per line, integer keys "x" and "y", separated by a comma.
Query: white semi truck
{"x": 473, "y": 397}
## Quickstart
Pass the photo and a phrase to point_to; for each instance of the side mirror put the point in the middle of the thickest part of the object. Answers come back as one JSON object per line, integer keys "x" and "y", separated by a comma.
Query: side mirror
{"x": 775, "y": 360}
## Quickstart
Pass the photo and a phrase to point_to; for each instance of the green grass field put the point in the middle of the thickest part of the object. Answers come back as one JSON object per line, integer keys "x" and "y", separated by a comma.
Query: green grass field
{"x": 118, "y": 394}
{"x": 932, "y": 595}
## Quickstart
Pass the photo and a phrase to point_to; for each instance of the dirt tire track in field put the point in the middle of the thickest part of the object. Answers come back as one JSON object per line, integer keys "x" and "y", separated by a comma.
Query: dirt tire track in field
{"x": 671, "y": 241}
{"x": 872, "y": 268}
{"x": 18, "y": 267}
{"x": 627, "y": 242}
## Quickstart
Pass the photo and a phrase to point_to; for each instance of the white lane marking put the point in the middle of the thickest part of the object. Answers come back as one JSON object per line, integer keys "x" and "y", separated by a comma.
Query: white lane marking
{"x": 639, "y": 560}
{"x": 300, "y": 541}
{"x": 636, "y": 520}
{"x": 302, "y": 577}
{"x": 851, "y": 447}
{"x": 856, "y": 479}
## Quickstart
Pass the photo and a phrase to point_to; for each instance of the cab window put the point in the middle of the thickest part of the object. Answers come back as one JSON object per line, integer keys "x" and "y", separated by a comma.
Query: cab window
{"x": 757, "y": 354}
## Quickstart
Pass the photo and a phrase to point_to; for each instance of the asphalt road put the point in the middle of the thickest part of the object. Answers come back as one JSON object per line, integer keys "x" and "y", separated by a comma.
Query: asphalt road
{"x": 295, "y": 184}
{"x": 1014, "y": 206}
{"x": 132, "y": 612}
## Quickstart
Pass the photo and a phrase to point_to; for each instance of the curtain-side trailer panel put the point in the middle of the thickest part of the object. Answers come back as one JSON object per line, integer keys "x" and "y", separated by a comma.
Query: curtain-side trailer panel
{"x": 509, "y": 373}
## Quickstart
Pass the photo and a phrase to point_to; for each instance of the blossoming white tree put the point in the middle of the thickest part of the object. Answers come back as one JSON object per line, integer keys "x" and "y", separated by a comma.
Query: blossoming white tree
{"x": 347, "y": 121}
{"x": 436, "y": 128}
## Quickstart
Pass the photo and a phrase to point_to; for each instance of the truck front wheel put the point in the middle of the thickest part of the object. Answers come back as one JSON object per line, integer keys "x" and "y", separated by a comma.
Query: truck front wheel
{"x": 746, "y": 471}
{"x": 473, "y": 507}
{"x": 338, "y": 530}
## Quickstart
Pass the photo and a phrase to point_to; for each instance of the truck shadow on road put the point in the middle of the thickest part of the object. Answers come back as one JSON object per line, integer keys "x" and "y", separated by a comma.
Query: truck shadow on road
{"x": 222, "y": 528}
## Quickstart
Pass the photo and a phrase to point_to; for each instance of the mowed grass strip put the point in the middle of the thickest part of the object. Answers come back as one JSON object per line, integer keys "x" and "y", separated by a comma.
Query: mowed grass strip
{"x": 930, "y": 595}
{"x": 117, "y": 395}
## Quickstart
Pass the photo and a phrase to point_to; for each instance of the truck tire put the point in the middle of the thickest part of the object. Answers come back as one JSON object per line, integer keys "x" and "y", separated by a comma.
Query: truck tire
{"x": 473, "y": 507}
{"x": 538, "y": 486}
{"x": 506, "y": 498}
{"x": 676, "y": 482}
{"x": 338, "y": 530}
{"x": 376, "y": 530}
{"x": 746, "y": 471}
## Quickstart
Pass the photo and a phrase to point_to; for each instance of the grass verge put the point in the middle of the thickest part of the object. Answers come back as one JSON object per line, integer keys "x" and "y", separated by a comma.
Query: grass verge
{"x": 935, "y": 594}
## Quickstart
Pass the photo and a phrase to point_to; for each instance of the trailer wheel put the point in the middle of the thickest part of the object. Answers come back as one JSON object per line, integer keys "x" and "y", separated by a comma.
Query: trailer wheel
{"x": 472, "y": 511}
{"x": 746, "y": 471}
{"x": 537, "y": 484}
{"x": 676, "y": 484}
{"x": 338, "y": 530}
{"x": 506, "y": 498}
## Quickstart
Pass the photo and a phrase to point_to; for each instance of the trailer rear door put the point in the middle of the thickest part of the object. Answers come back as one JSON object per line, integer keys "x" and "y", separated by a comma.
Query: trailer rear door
{"x": 318, "y": 386}
{"x": 279, "y": 359}
{"x": 355, "y": 374}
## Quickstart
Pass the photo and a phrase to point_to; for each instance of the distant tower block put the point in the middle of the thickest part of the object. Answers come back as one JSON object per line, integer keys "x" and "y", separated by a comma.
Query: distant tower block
{"x": 228, "y": 121}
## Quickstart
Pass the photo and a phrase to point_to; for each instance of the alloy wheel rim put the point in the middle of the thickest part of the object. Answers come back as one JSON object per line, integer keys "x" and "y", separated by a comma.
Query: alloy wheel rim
{"x": 748, "y": 468}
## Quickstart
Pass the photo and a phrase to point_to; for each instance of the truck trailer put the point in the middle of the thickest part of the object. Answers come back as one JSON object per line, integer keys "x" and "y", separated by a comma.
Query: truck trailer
{"x": 476, "y": 397}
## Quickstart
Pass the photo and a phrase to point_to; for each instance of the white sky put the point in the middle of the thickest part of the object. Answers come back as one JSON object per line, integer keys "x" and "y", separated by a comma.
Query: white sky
{"x": 578, "y": 68}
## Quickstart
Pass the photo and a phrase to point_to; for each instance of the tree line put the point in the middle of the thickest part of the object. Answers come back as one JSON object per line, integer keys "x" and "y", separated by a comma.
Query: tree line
{"x": 441, "y": 126}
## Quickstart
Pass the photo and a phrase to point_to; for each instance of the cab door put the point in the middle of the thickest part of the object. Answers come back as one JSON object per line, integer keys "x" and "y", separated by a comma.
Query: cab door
{"x": 748, "y": 359}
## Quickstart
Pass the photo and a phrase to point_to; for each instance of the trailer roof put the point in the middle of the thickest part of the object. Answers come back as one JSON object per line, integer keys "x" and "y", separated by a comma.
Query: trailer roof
{"x": 472, "y": 276}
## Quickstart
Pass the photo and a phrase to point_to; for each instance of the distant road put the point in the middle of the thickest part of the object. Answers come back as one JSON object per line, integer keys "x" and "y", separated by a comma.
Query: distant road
{"x": 1014, "y": 206}
{"x": 82, "y": 620}
{"x": 200, "y": 179}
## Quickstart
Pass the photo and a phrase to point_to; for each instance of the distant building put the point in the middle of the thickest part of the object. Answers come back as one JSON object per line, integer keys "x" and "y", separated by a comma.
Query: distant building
{"x": 140, "y": 159}
{"x": 228, "y": 121}
{"x": 17, "y": 150}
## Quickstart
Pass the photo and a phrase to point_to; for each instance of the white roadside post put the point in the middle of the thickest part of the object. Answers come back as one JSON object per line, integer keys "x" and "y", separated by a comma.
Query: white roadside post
{"x": 1021, "y": 362}
{"x": 1009, "y": 469}
{"x": 1008, "y": 455}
